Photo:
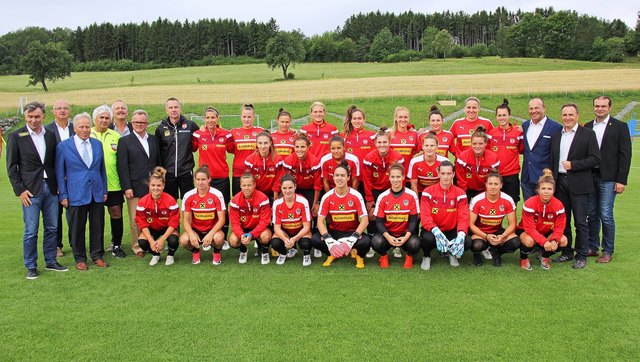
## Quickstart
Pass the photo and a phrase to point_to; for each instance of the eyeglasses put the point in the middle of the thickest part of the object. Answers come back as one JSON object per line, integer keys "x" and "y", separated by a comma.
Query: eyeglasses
{"x": 140, "y": 123}
{"x": 61, "y": 108}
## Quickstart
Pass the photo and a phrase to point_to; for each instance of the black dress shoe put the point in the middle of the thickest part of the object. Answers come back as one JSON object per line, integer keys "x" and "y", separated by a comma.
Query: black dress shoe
{"x": 477, "y": 259}
{"x": 563, "y": 258}
{"x": 56, "y": 267}
{"x": 579, "y": 264}
{"x": 32, "y": 274}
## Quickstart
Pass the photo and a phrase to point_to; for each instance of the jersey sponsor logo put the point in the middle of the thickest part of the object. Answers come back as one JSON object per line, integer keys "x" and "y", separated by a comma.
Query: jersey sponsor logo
{"x": 292, "y": 225}
{"x": 548, "y": 223}
{"x": 204, "y": 147}
{"x": 243, "y": 218}
{"x": 495, "y": 148}
{"x": 375, "y": 174}
{"x": 349, "y": 149}
{"x": 246, "y": 137}
{"x": 404, "y": 151}
{"x": 490, "y": 222}
{"x": 403, "y": 141}
{"x": 466, "y": 142}
{"x": 245, "y": 146}
{"x": 452, "y": 210}
{"x": 202, "y": 205}
{"x": 492, "y": 212}
{"x": 397, "y": 218}
{"x": 434, "y": 210}
{"x": 149, "y": 220}
{"x": 290, "y": 215}
{"x": 283, "y": 141}
{"x": 167, "y": 133}
{"x": 341, "y": 207}
{"x": 430, "y": 174}
{"x": 343, "y": 218}
{"x": 468, "y": 175}
{"x": 396, "y": 207}
{"x": 204, "y": 215}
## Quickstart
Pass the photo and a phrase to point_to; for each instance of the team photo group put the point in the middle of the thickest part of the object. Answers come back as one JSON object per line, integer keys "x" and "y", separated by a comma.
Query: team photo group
{"x": 321, "y": 191}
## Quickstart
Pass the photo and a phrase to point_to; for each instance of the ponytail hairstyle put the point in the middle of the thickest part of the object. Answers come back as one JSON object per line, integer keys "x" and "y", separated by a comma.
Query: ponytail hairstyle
{"x": 434, "y": 110}
{"x": 272, "y": 150}
{"x": 282, "y": 112}
{"x": 504, "y": 105}
{"x": 247, "y": 107}
{"x": 344, "y": 165}
{"x": 346, "y": 125}
{"x": 158, "y": 173}
{"x": 203, "y": 169}
{"x": 382, "y": 132}
{"x": 480, "y": 132}
{"x": 547, "y": 177}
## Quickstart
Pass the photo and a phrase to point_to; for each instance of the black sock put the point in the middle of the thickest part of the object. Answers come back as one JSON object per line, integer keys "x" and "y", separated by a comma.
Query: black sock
{"x": 242, "y": 248}
{"x": 116, "y": 231}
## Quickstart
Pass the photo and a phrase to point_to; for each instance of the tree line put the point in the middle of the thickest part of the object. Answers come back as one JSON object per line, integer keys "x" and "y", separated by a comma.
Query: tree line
{"x": 373, "y": 36}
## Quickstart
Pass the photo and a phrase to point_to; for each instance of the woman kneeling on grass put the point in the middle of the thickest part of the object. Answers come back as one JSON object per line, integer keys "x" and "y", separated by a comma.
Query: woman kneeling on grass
{"x": 543, "y": 222}
{"x": 203, "y": 215}
{"x": 341, "y": 221}
{"x": 158, "y": 219}
{"x": 249, "y": 214}
{"x": 487, "y": 211}
{"x": 397, "y": 215}
{"x": 291, "y": 223}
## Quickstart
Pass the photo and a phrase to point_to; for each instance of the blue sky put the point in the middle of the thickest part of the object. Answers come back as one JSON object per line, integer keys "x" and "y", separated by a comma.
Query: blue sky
{"x": 312, "y": 17}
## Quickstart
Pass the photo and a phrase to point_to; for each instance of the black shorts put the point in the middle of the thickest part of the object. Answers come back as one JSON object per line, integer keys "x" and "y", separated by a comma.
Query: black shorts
{"x": 114, "y": 198}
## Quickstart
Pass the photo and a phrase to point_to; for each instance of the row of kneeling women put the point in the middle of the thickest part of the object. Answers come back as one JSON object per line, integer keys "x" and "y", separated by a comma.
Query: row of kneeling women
{"x": 442, "y": 213}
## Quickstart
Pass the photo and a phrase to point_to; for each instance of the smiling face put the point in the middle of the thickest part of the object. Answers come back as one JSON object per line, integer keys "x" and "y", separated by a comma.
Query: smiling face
{"x": 435, "y": 122}
{"x": 156, "y": 187}
{"x": 478, "y": 145}
{"x": 211, "y": 120}
{"x": 264, "y": 145}
{"x": 288, "y": 189}
{"x": 536, "y": 110}
{"x": 120, "y": 111}
{"x": 202, "y": 182}
{"x": 382, "y": 144}
{"x": 494, "y": 185}
{"x": 284, "y": 124}
{"x": 402, "y": 119}
{"x": 357, "y": 120}
{"x": 569, "y": 117}
{"x": 340, "y": 177}
{"x": 545, "y": 190}
{"x": 471, "y": 109}
{"x": 429, "y": 147}
{"x": 247, "y": 186}
{"x": 601, "y": 108}
{"x": 317, "y": 114}
{"x": 61, "y": 111}
{"x": 301, "y": 148}
{"x": 396, "y": 178}
{"x": 34, "y": 119}
{"x": 337, "y": 150}
{"x": 140, "y": 123}
{"x": 82, "y": 127}
{"x": 502, "y": 116}
{"x": 246, "y": 117}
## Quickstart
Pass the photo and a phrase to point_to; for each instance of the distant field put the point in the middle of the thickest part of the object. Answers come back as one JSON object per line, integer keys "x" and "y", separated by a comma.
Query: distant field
{"x": 328, "y": 81}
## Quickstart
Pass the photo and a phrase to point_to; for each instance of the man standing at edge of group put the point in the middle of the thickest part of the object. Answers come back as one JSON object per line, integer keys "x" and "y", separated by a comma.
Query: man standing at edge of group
{"x": 137, "y": 156}
{"x": 31, "y": 169}
{"x": 62, "y": 129}
{"x": 82, "y": 181}
{"x": 574, "y": 153}
{"x": 174, "y": 137}
{"x": 537, "y": 146}
{"x": 609, "y": 178}
{"x": 120, "y": 115}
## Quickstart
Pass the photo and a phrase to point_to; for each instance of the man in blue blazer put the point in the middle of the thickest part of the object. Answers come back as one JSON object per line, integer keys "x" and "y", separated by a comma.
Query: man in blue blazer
{"x": 537, "y": 146}
{"x": 82, "y": 183}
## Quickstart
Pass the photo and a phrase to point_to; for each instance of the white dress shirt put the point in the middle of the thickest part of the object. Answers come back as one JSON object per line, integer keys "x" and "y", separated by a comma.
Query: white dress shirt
{"x": 63, "y": 132}
{"x": 144, "y": 141}
{"x": 599, "y": 128}
{"x": 38, "y": 141}
{"x": 534, "y": 130}
{"x": 565, "y": 144}
{"x": 78, "y": 141}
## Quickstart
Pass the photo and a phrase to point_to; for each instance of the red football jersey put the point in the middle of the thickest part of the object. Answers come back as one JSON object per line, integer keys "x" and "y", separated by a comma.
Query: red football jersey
{"x": 396, "y": 210}
{"x": 158, "y": 214}
{"x": 319, "y": 136}
{"x": 342, "y": 213}
{"x": 307, "y": 172}
{"x": 445, "y": 142}
{"x": 243, "y": 145}
{"x": 291, "y": 218}
{"x": 376, "y": 171}
{"x": 284, "y": 142}
{"x": 212, "y": 147}
{"x": 462, "y": 128}
{"x": 425, "y": 174}
{"x": 204, "y": 210}
{"x": 252, "y": 213}
{"x": 508, "y": 145}
{"x": 472, "y": 171}
{"x": 490, "y": 214}
{"x": 539, "y": 219}
{"x": 406, "y": 143}
{"x": 266, "y": 171}
{"x": 446, "y": 209}
{"x": 360, "y": 142}
{"x": 328, "y": 164}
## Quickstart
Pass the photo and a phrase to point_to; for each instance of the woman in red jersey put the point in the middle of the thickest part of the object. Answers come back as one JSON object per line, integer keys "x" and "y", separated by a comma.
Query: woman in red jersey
{"x": 542, "y": 224}
{"x": 475, "y": 164}
{"x": 445, "y": 218}
{"x": 402, "y": 139}
{"x": 158, "y": 218}
{"x": 445, "y": 138}
{"x": 265, "y": 166}
{"x": 357, "y": 140}
{"x": 507, "y": 142}
{"x": 487, "y": 211}
{"x": 423, "y": 168}
{"x": 330, "y": 161}
{"x": 305, "y": 169}
{"x": 463, "y": 128}
{"x": 397, "y": 216}
{"x": 243, "y": 144}
{"x": 342, "y": 220}
{"x": 250, "y": 214}
{"x": 203, "y": 217}
{"x": 212, "y": 143}
{"x": 291, "y": 223}
{"x": 284, "y": 136}
{"x": 318, "y": 130}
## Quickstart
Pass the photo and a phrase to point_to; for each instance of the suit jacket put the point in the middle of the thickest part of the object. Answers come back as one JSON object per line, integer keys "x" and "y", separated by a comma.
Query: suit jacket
{"x": 24, "y": 166}
{"x": 615, "y": 151}
{"x": 134, "y": 167}
{"x": 537, "y": 157}
{"x": 584, "y": 156}
{"x": 52, "y": 127}
{"x": 77, "y": 182}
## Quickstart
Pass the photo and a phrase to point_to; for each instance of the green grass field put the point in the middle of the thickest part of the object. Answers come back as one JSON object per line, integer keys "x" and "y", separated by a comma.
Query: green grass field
{"x": 132, "y": 311}
{"x": 260, "y": 73}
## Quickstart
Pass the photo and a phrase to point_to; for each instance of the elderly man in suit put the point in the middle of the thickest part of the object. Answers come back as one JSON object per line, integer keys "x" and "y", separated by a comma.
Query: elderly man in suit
{"x": 537, "y": 146}
{"x": 82, "y": 182}
{"x": 62, "y": 129}
{"x": 31, "y": 169}
{"x": 574, "y": 153}
{"x": 609, "y": 178}
{"x": 138, "y": 153}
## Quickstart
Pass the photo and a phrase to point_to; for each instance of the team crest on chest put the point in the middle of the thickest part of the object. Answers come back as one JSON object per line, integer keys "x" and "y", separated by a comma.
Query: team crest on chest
{"x": 405, "y": 202}
{"x": 350, "y": 203}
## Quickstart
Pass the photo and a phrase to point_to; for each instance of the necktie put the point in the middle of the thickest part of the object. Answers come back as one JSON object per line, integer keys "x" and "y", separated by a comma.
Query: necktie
{"x": 85, "y": 154}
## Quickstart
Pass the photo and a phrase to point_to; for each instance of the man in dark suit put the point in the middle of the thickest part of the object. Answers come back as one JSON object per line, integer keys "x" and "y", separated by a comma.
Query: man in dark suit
{"x": 537, "y": 146}
{"x": 82, "y": 181}
{"x": 138, "y": 154}
{"x": 62, "y": 129}
{"x": 31, "y": 169}
{"x": 609, "y": 178}
{"x": 574, "y": 153}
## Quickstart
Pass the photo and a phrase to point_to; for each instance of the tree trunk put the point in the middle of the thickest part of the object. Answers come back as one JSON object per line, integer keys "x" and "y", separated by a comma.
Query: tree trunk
{"x": 284, "y": 70}
{"x": 44, "y": 86}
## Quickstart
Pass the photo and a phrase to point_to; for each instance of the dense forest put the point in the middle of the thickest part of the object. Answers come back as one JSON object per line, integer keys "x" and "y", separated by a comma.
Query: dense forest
{"x": 372, "y": 36}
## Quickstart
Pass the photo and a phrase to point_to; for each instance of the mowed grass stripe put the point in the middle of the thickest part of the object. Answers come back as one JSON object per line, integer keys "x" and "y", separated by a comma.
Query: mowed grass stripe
{"x": 279, "y": 92}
